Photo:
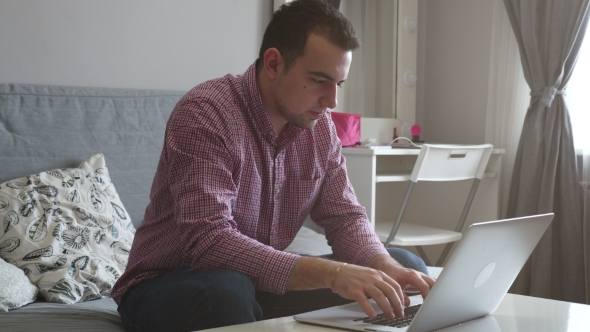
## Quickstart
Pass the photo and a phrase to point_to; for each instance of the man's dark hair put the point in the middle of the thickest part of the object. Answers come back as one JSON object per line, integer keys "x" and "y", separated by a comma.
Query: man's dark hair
{"x": 293, "y": 22}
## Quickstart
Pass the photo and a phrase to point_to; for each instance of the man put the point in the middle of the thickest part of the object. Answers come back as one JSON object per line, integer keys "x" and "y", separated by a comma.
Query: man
{"x": 245, "y": 160}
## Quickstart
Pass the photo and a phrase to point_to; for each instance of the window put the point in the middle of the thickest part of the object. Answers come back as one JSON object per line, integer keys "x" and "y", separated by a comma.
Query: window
{"x": 578, "y": 97}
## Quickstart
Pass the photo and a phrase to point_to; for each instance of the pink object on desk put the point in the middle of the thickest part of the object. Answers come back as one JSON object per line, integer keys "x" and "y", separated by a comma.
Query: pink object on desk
{"x": 416, "y": 130}
{"x": 348, "y": 127}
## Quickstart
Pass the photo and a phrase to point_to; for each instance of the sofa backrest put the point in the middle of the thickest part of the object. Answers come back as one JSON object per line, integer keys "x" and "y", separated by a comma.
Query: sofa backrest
{"x": 44, "y": 127}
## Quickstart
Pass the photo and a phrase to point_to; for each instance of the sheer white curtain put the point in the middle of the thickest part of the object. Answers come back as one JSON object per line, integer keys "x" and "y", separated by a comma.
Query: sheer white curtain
{"x": 579, "y": 108}
{"x": 508, "y": 95}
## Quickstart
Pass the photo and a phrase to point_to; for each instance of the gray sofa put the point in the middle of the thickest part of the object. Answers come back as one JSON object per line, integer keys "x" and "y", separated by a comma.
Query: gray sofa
{"x": 49, "y": 127}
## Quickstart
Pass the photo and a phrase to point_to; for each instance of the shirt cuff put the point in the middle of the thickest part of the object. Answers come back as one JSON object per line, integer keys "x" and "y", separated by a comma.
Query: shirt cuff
{"x": 278, "y": 268}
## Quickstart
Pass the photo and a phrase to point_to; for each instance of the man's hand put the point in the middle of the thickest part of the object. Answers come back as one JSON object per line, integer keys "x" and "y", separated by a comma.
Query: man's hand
{"x": 383, "y": 281}
{"x": 409, "y": 280}
{"x": 361, "y": 283}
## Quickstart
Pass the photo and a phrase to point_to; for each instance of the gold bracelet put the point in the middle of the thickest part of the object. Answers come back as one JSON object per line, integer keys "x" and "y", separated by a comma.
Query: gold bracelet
{"x": 335, "y": 275}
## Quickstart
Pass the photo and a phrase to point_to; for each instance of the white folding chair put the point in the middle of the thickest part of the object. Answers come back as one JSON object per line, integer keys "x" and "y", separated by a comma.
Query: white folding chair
{"x": 437, "y": 163}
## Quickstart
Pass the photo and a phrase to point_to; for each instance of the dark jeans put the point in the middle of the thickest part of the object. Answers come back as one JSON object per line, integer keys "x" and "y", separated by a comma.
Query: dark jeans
{"x": 188, "y": 300}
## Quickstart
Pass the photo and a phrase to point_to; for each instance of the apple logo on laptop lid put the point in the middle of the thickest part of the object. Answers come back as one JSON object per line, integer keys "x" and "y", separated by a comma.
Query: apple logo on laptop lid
{"x": 484, "y": 274}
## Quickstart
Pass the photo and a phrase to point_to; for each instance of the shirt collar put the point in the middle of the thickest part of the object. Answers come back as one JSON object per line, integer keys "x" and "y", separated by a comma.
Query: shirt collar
{"x": 258, "y": 113}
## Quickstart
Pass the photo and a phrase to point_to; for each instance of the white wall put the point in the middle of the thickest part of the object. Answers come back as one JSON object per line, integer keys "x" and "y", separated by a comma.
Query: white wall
{"x": 177, "y": 44}
{"x": 156, "y": 44}
{"x": 453, "y": 64}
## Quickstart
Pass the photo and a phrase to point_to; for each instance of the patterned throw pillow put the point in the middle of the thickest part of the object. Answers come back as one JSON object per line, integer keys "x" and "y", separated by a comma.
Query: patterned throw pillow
{"x": 67, "y": 230}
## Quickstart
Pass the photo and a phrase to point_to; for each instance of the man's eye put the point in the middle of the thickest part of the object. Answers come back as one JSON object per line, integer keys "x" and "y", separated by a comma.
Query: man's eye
{"x": 339, "y": 85}
{"x": 319, "y": 81}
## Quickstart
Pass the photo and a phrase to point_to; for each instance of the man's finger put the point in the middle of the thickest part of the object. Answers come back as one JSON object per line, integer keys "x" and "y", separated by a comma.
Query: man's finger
{"x": 387, "y": 303}
{"x": 406, "y": 300}
{"x": 394, "y": 294}
{"x": 367, "y": 308}
{"x": 430, "y": 281}
{"x": 419, "y": 282}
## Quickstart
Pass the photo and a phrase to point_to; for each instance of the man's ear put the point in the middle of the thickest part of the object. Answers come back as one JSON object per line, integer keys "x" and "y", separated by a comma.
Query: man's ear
{"x": 273, "y": 64}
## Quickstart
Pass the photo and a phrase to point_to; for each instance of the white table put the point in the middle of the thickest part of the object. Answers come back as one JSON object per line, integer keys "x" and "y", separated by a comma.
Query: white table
{"x": 516, "y": 313}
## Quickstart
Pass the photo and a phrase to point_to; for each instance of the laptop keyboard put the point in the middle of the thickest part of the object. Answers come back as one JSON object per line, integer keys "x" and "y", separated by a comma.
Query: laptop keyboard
{"x": 381, "y": 319}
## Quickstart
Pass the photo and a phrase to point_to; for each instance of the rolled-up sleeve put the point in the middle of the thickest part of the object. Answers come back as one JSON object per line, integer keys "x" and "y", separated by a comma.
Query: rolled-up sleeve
{"x": 339, "y": 213}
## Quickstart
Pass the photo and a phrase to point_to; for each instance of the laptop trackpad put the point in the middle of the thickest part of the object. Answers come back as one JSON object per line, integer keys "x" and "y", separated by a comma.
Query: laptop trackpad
{"x": 355, "y": 307}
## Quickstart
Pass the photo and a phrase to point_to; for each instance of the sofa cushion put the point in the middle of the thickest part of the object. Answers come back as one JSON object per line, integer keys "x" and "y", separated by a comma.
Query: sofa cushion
{"x": 98, "y": 315}
{"x": 45, "y": 127}
{"x": 15, "y": 288}
{"x": 67, "y": 230}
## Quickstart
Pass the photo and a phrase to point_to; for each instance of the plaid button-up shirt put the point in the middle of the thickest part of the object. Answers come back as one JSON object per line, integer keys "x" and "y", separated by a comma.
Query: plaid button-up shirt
{"x": 226, "y": 196}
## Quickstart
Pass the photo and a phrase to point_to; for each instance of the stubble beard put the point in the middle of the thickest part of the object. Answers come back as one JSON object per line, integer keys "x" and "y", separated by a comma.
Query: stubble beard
{"x": 298, "y": 120}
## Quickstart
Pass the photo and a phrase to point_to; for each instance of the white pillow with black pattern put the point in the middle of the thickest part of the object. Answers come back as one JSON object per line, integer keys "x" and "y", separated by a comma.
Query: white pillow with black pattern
{"x": 67, "y": 230}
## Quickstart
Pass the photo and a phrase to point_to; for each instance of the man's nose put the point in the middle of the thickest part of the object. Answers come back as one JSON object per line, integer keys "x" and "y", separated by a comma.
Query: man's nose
{"x": 329, "y": 98}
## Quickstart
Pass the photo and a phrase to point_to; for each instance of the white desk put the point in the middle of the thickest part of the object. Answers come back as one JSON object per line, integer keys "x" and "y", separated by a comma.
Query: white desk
{"x": 516, "y": 313}
{"x": 380, "y": 178}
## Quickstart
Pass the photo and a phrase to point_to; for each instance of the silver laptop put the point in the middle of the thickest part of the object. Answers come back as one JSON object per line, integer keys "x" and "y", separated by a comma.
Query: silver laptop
{"x": 472, "y": 284}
